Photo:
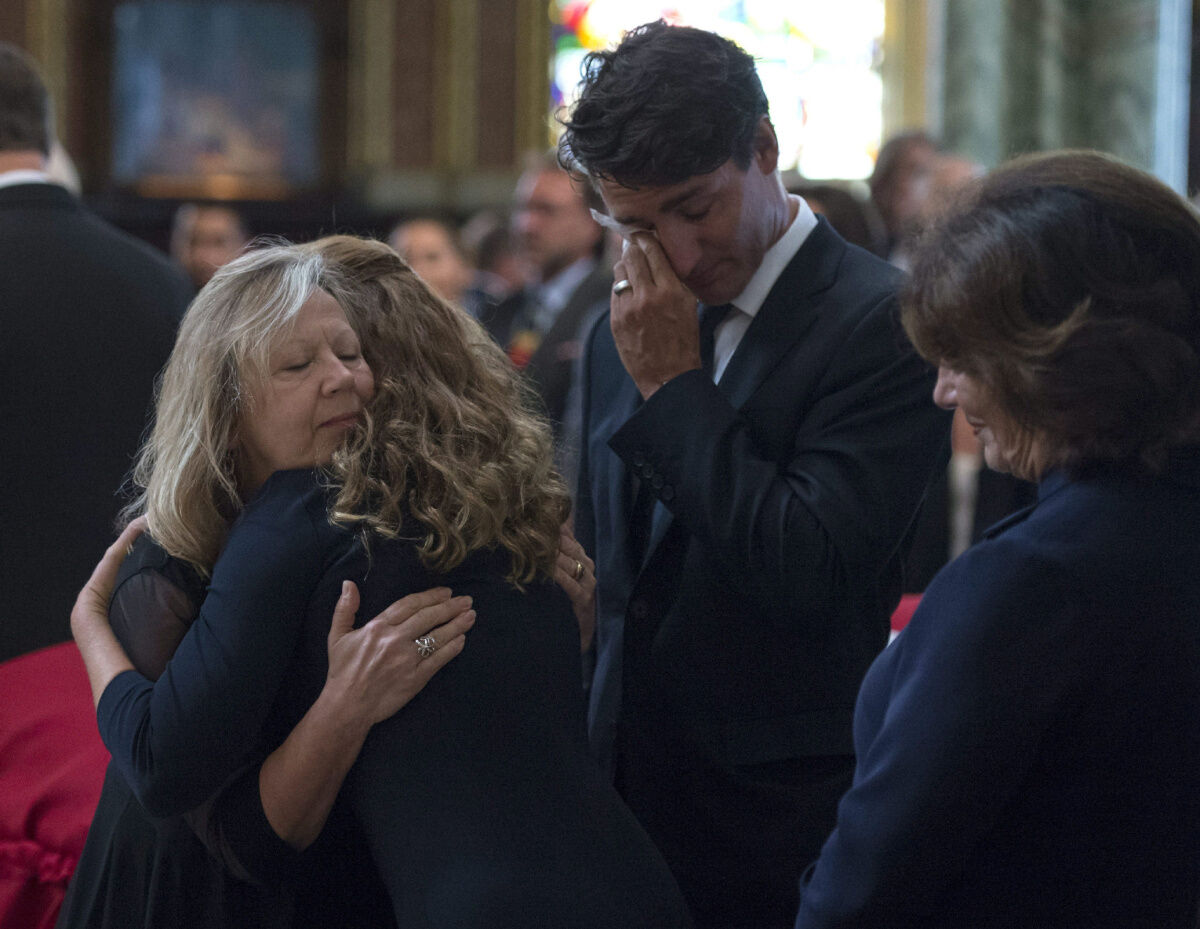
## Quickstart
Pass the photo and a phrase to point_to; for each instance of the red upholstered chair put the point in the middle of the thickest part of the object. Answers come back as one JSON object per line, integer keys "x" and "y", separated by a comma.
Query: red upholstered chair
{"x": 903, "y": 612}
{"x": 51, "y": 768}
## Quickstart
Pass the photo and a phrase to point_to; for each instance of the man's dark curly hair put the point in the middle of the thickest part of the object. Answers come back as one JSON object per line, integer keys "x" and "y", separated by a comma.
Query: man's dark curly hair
{"x": 668, "y": 103}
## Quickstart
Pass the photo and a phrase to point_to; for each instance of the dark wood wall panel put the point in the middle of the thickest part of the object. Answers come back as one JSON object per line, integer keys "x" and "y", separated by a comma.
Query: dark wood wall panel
{"x": 86, "y": 124}
{"x": 12, "y": 22}
{"x": 496, "y": 90}
{"x": 414, "y": 85}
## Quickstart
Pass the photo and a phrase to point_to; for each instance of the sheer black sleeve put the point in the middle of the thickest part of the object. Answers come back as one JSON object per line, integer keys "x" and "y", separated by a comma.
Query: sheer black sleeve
{"x": 155, "y": 600}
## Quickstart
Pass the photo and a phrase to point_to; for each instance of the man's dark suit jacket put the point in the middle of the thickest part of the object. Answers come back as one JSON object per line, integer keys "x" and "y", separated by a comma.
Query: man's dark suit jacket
{"x": 1029, "y": 747}
{"x": 996, "y": 497}
{"x": 551, "y": 366}
{"x": 87, "y": 319}
{"x": 728, "y": 663}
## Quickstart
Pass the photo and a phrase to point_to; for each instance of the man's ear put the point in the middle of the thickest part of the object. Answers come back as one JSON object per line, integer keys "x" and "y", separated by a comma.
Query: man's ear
{"x": 766, "y": 146}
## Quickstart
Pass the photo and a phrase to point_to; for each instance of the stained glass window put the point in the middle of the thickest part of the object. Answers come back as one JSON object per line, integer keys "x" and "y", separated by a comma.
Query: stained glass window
{"x": 818, "y": 61}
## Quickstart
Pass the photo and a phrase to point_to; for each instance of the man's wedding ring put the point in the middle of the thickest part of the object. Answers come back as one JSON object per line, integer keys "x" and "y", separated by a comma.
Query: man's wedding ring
{"x": 621, "y": 286}
{"x": 578, "y": 572}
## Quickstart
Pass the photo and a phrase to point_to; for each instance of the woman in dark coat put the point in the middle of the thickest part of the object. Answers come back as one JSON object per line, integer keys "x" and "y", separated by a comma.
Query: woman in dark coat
{"x": 1028, "y": 749}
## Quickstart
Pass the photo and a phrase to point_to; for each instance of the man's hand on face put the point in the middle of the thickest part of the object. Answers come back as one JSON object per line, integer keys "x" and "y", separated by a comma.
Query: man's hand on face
{"x": 654, "y": 321}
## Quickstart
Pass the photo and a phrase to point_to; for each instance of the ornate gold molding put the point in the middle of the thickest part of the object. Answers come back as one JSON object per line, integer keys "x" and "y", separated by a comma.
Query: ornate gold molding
{"x": 533, "y": 76}
{"x": 456, "y": 106}
{"x": 905, "y": 52}
{"x": 46, "y": 40}
{"x": 369, "y": 85}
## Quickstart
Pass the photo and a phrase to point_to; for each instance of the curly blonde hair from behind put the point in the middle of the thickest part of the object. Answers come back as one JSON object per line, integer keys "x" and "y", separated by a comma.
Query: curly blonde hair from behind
{"x": 452, "y": 440}
{"x": 185, "y": 475}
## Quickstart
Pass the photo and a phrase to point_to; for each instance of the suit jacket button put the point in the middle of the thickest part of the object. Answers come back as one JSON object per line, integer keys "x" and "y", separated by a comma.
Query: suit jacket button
{"x": 638, "y": 459}
{"x": 647, "y": 471}
{"x": 656, "y": 482}
{"x": 639, "y": 610}
{"x": 667, "y": 494}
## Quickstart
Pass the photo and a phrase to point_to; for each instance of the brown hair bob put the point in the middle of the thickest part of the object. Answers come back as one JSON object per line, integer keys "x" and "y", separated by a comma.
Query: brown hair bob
{"x": 1067, "y": 284}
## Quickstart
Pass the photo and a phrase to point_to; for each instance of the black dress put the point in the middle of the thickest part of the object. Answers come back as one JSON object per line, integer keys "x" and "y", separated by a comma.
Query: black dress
{"x": 186, "y": 871}
{"x": 136, "y": 870}
{"x": 479, "y": 801}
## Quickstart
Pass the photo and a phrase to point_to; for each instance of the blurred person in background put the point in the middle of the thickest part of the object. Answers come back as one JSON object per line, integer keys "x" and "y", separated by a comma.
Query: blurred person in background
{"x": 930, "y": 193}
{"x": 556, "y": 237}
{"x": 900, "y": 167}
{"x": 431, "y": 249}
{"x": 205, "y": 236}
{"x": 855, "y": 219}
{"x": 487, "y": 241}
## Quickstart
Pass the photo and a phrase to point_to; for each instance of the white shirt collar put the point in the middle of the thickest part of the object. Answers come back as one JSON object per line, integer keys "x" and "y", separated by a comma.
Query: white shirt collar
{"x": 552, "y": 295}
{"x": 24, "y": 176}
{"x": 557, "y": 291}
{"x": 777, "y": 258}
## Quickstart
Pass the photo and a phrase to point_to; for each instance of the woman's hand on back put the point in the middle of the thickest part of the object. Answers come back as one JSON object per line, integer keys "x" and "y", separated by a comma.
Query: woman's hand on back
{"x": 376, "y": 669}
{"x": 575, "y": 573}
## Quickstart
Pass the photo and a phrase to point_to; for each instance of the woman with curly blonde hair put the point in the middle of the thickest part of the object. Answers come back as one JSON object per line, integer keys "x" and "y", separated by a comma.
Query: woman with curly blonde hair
{"x": 479, "y": 802}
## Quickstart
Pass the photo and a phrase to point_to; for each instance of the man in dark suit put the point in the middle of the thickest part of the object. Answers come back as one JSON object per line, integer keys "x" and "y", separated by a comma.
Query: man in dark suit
{"x": 748, "y": 474}
{"x": 541, "y": 325}
{"x": 88, "y": 317}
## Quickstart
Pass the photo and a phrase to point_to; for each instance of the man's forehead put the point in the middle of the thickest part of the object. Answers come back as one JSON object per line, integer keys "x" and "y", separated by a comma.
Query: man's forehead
{"x": 628, "y": 204}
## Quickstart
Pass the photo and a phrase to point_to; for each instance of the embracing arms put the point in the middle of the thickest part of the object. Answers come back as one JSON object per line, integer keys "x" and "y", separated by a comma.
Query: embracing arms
{"x": 373, "y": 671}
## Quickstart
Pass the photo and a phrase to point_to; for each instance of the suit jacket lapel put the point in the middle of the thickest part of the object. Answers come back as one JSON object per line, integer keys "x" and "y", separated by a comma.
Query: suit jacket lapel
{"x": 610, "y": 469}
{"x": 781, "y": 320}
{"x": 778, "y": 326}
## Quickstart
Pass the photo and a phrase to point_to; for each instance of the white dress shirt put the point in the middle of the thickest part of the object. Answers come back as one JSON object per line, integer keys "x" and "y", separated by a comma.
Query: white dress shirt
{"x": 747, "y": 304}
{"x": 23, "y": 176}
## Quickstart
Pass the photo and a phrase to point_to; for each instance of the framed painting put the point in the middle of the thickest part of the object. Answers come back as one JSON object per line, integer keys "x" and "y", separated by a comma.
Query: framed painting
{"x": 216, "y": 100}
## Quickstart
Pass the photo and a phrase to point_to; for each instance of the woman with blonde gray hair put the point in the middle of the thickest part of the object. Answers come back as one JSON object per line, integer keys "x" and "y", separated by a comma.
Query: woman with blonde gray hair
{"x": 479, "y": 802}
{"x": 138, "y": 870}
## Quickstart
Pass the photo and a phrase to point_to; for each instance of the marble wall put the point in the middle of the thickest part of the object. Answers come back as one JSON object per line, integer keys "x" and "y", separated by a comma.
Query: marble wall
{"x": 1029, "y": 75}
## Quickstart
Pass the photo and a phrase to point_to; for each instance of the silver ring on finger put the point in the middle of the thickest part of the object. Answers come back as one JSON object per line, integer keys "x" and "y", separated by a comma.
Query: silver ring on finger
{"x": 621, "y": 286}
{"x": 578, "y": 572}
{"x": 426, "y": 645}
